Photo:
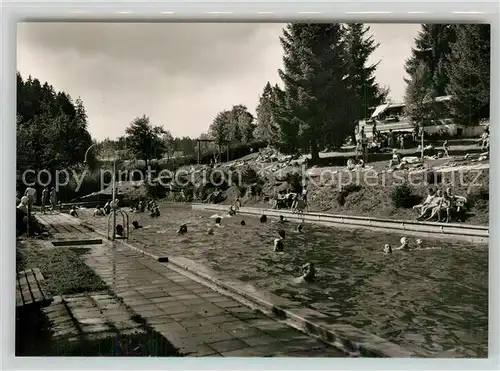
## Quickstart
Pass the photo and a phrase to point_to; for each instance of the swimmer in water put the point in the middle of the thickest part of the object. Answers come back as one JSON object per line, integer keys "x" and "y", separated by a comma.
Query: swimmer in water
{"x": 263, "y": 218}
{"x": 404, "y": 244}
{"x": 218, "y": 221}
{"x": 182, "y": 229}
{"x": 387, "y": 249}
{"x": 418, "y": 243}
{"x": 243, "y": 222}
{"x": 136, "y": 224}
{"x": 309, "y": 272}
{"x": 231, "y": 211}
{"x": 119, "y": 230}
{"x": 300, "y": 228}
{"x": 210, "y": 231}
{"x": 73, "y": 212}
{"x": 282, "y": 219}
{"x": 278, "y": 242}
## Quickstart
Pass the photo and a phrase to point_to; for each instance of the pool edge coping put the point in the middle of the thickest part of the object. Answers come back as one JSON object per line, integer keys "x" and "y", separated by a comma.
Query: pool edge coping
{"x": 450, "y": 231}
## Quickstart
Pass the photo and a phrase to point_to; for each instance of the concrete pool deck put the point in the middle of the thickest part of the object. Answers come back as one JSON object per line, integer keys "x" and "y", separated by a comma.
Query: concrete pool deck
{"x": 347, "y": 338}
{"x": 198, "y": 320}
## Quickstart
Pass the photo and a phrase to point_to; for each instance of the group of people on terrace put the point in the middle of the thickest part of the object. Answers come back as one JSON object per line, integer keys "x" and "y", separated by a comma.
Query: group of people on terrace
{"x": 442, "y": 206}
{"x": 289, "y": 199}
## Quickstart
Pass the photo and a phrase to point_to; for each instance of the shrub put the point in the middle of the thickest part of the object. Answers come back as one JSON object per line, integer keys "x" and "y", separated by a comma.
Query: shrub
{"x": 433, "y": 177}
{"x": 402, "y": 196}
{"x": 294, "y": 179}
{"x": 345, "y": 191}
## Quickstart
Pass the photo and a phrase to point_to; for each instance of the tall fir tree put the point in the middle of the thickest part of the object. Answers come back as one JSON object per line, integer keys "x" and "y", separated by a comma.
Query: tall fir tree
{"x": 469, "y": 73}
{"x": 316, "y": 104}
{"x": 418, "y": 94}
{"x": 360, "y": 46}
{"x": 266, "y": 129}
{"x": 433, "y": 50}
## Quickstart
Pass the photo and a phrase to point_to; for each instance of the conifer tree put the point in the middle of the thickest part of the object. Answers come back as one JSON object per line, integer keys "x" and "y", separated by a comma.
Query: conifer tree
{"x": 266, "y": 129}
{"x": 360, "y": 46}
{"x": 470, "y": 73}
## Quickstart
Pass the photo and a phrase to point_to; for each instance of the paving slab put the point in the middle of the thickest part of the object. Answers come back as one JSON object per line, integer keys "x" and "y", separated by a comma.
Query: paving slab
{"x": 195, "y": 319}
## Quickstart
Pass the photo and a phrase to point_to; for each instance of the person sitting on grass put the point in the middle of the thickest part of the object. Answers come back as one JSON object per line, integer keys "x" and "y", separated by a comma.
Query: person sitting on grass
{"x": 444, "y": 205}
{"x": 431, "y": 194}
{"x": 431, "y": 205}
{"x": 395, "y": 160}
{"x": 98, "y": 211}
{"x": 459, "y": 206}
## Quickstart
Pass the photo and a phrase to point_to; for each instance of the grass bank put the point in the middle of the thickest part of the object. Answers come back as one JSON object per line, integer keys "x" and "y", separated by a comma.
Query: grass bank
{"x": 383, "y": 196}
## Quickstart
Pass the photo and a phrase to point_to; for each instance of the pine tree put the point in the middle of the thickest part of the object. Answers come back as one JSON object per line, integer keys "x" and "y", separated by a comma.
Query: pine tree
{"x": 266, "y": 130}
{"x": 470, "y": 73}
{"x": 51, "y": 129}
{"x": 433, "y": 49}
{"x": 360, "y": 46}
{"x": 419, "y": 93}
{"x": 315, "y": 105}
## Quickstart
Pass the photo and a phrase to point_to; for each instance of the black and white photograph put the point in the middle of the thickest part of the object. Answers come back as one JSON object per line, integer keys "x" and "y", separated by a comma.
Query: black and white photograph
{"x": 252, "y": 190}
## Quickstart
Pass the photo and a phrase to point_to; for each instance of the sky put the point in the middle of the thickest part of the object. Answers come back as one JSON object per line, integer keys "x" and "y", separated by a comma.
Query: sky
{"x": 179, "y": 74}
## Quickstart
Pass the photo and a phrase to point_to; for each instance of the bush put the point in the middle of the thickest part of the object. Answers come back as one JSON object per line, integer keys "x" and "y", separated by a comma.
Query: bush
{"x": 402, "y": 196}
{"x": 294, "y": 179}
{"x": 433, "y": 177}
{"x": 345, "y": 191}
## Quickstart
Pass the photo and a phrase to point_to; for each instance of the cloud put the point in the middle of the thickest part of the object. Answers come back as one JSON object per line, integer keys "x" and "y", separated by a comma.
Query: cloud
{"x": 179, "y": 74}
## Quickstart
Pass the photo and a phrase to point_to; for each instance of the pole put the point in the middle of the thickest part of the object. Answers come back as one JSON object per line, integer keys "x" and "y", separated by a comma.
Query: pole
{"x": 199, "y": 155}
{"x": 422, "y": 144}
{"x": 114, "y": 200}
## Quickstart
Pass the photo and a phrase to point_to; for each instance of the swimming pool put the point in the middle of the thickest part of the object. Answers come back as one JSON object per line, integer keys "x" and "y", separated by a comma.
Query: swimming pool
{"x": 435, "y": 299}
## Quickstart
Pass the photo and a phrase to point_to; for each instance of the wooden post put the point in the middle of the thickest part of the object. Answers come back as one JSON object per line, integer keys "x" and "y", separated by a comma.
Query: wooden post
{"x": 422, "y": 143}
{"x": 199, "y": 152}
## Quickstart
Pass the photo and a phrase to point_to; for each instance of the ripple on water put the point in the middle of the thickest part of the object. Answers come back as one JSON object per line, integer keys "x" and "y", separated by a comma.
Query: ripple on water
{"x": 435, "y": 298}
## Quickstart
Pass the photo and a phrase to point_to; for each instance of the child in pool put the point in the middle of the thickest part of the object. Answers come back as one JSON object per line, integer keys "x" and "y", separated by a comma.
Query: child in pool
{"x": 279, "y": 243}
{"x": 309, "y": 272}
{"x": 387, "y": 249}
{"x": 404, "y": 244}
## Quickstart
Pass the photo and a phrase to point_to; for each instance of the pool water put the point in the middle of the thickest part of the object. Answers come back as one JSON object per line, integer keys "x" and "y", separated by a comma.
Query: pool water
{"x": 435, "y": 298}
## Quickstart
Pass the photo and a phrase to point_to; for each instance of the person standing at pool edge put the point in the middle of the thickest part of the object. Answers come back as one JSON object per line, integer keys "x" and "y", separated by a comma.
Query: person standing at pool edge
{"x": 45, "y": 199}
{"x": 53, "y": 198}
{"x": 30, "y": 192}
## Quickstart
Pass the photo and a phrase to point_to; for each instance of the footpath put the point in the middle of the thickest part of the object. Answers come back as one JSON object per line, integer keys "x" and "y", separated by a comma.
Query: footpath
{"x": 196, "y": 319}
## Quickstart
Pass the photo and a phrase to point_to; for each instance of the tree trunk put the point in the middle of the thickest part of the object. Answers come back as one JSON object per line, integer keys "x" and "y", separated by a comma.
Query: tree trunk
{"x": 314, "y": 152}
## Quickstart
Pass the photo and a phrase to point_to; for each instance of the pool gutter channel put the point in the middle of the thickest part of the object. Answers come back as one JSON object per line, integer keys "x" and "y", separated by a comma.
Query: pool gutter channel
{"x": 476, "y": 234}
{"x": 349, "y": 339}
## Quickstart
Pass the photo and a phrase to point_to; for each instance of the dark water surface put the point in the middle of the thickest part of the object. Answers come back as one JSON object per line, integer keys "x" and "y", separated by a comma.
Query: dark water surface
{"x": 435, "y": 298}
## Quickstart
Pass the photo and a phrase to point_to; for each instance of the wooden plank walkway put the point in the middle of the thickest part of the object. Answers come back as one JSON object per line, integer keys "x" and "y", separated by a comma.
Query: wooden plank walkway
{"x": 29, "y": 288}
